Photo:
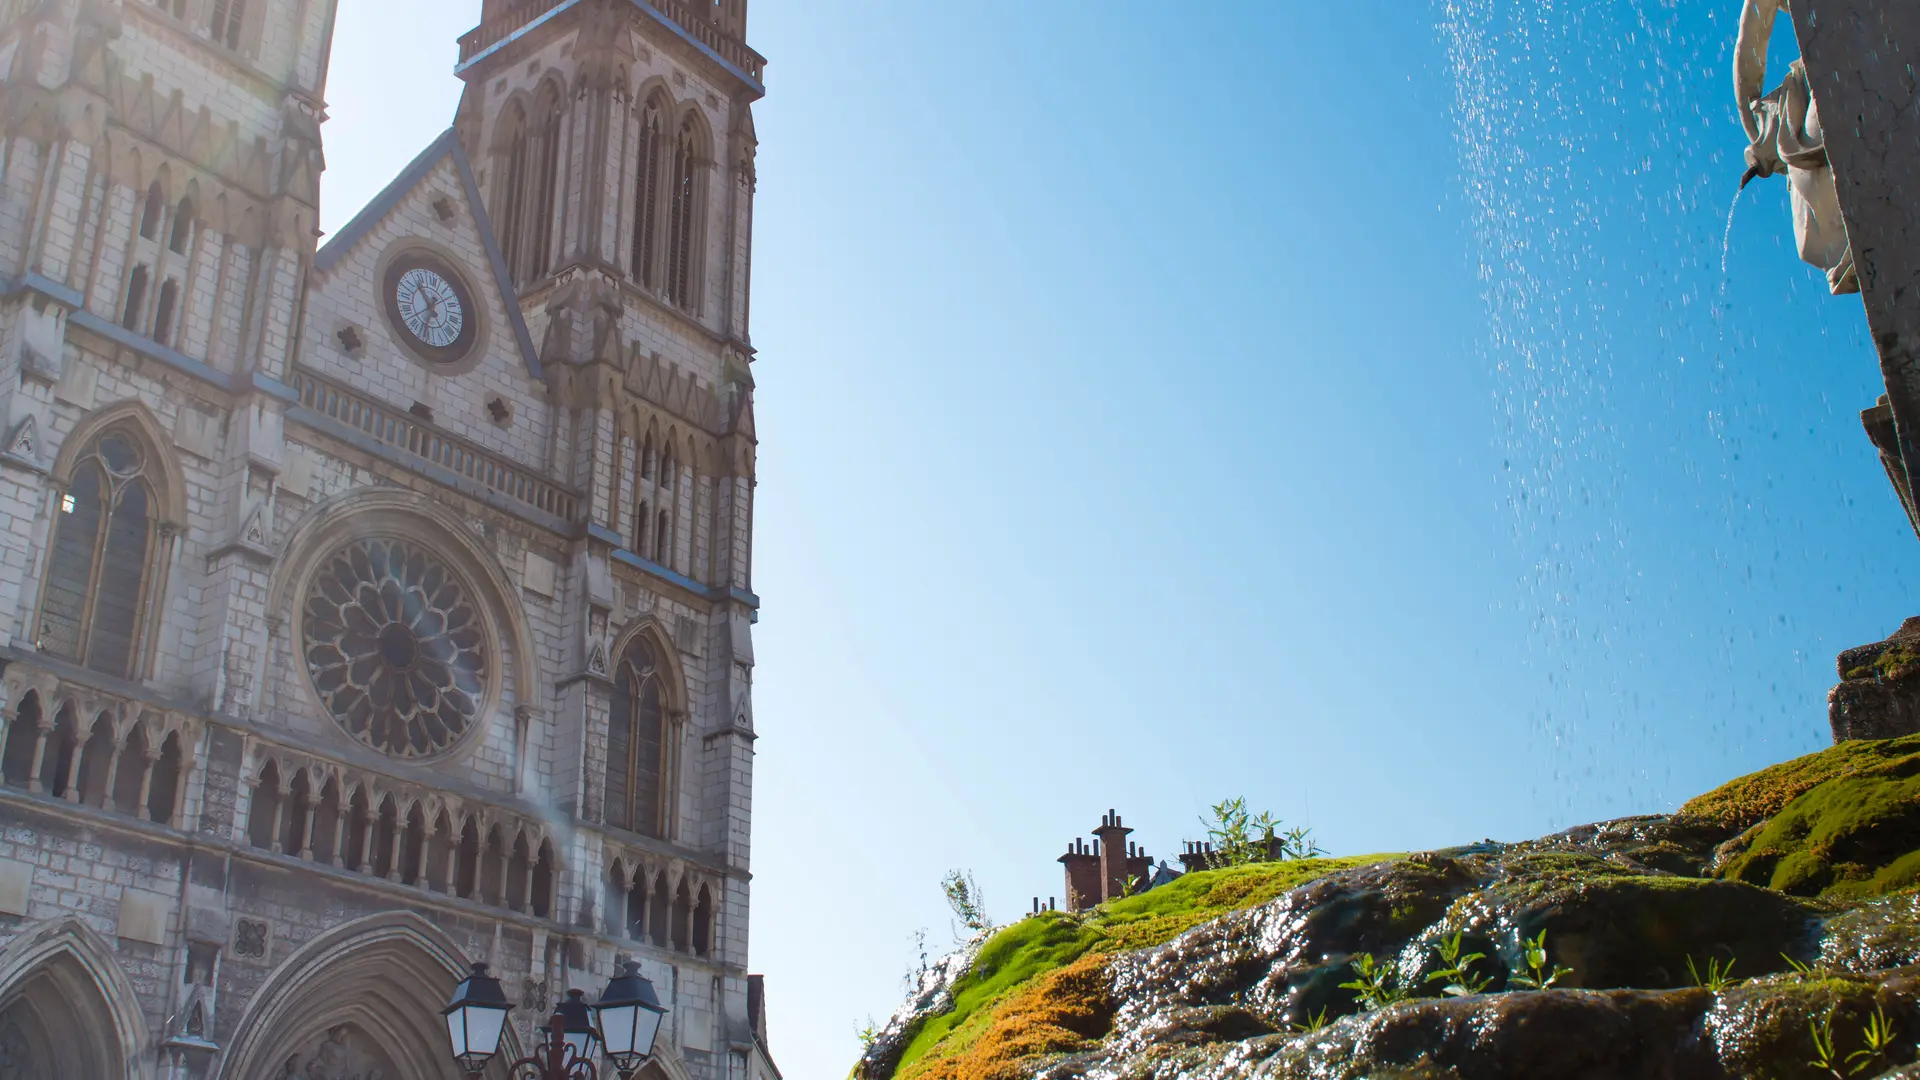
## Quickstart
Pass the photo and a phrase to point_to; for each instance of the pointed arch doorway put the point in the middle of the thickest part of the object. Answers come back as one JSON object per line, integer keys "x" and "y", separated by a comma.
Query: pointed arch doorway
{"x": 67, "y": 1011}
{"x": 360, "y": 1002}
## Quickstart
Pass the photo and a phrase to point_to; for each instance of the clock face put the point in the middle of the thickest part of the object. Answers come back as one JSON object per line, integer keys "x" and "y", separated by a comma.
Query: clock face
{"x": 431, "y": 308}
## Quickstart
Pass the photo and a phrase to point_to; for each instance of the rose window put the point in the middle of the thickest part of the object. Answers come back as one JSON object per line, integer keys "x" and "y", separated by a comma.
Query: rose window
{"x": 395, "y": 647}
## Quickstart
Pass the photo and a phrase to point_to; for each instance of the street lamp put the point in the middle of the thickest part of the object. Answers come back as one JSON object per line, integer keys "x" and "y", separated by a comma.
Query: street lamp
{"x": 624, "y": 1023}
{"x": 630, "y": 1018}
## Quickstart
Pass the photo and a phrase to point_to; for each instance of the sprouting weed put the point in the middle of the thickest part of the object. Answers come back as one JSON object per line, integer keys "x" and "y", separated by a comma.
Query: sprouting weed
{"x": 1803, "y": 970}
{"x": 1377, "y": 984}
{"x": 1824, "y": 1057}
{"x": 1878, "y": 1036}
{"x": 1716, "y": 978}
{"x": 1313, "y": 1023}
{"x": 1457, "y": 980}
{"x": 1540, "y": 978}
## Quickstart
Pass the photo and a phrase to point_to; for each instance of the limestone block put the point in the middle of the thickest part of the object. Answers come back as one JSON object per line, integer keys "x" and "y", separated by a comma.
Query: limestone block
{"x": 197, "y": 433}
{"x": 43, "y": 334}
{"x": 77, "y": 383}
{"x": 297, "y": 478}
{"x": 16, "y": 882}
{"x": 539, "y": 574}
{"x": 144, "y": 916}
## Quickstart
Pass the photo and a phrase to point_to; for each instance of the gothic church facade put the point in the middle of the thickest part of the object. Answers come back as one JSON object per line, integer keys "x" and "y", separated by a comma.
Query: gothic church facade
{"x": 376, "y": 606}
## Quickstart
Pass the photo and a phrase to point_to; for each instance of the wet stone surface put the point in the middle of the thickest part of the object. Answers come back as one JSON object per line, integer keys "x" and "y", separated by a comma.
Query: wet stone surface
{"x": 1623, "y": 904}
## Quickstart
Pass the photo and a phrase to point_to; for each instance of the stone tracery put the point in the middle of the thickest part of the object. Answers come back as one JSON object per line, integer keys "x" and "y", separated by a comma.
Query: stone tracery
{"x": 395, "y": 647}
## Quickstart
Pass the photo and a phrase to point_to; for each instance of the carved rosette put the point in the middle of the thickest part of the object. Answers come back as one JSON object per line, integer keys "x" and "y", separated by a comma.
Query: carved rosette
{"x": 395, "y": 647}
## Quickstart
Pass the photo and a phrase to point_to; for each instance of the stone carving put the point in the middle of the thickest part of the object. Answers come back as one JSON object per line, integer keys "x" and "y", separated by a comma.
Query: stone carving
{"x": 533, "y": 997}
{"x": 24, "y": 445}
{"x": 250, "y": 939}
{"x": 341, "y": 1055}
{"x": 1784, "y": 133}
{"x": 395, "y": 647}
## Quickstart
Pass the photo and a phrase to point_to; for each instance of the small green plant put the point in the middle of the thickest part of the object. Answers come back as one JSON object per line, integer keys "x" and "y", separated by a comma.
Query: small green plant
{"x": 1539, "y": 977}
{"x": 1312, "y": 1024}
{"x": 1716, "y": 978}
{"x": 1825, "y": 1058}
{"x": 969, "y": 905}
{"x": 1134, "y": 884}
{"x": 1459, "y": 982}
{"x": 1805, "y": 971}
{"x": 1240, "y": 837}
{"x": 1877, "y": 1038}
{"x": 867, "y": 1033}
{"x": 1377, "y": 984}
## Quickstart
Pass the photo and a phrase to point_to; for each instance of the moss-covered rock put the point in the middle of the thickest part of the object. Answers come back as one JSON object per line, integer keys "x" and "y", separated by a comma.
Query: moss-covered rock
{"x": 1219, "y": 975}
{"x": 1854, "y": 833}
{"x": 1739, "y": 804}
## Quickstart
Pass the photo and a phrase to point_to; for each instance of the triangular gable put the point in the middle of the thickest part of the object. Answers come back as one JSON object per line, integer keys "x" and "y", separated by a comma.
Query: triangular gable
{"x": 410, "y": 177}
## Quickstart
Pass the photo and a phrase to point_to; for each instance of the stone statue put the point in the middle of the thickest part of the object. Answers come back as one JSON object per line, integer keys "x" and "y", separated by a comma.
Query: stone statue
{"x": 1783, "y": 129}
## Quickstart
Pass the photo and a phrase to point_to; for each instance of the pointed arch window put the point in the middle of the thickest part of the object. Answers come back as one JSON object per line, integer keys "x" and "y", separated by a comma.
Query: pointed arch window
{"x": 682, "y": 217}
{"x": 163, "y": 312}
{"x": 228, "y": 18}
{"x": 639, "y": 745}
{"x": 182, "y": 227}
{"x": 101, "y": 570}
{"x": 528, "y": 166}
{"x": 646, "y": 194}
{"x": 151, "y": 212}
{"x": 136, "y": 298}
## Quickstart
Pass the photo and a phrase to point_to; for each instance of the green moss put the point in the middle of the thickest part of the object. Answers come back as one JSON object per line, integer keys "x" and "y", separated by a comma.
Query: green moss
{"x": 1895, "y": 663}
{"x": 1855, "y": 834}
{"x": 1750, "y": 799}
{"x": 1044, "y": 943}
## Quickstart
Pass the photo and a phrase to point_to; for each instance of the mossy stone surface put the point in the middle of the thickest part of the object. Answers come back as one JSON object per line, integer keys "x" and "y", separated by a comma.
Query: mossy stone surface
{"x": 1809, "y": 862}
{"x": 1855, "y": 833}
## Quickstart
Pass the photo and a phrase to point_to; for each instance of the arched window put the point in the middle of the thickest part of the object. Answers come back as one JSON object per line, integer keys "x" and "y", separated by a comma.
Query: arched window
{"x": 263, "y": 817}
{"x": 24, "y": 741}
{"x": 136, "y": 298}
{"x": 659, "y": 910}
{"x": 703, "y": 924}
{"x": 509, "y": 169}
{"x": 163, "y": 788}
{"x": 528, "y": 165}
{"x": 151, "y": 211}
{"x": 646, "y": 193}
{"x": 326, "y": 824}
{"x": 100, "y": 573}
{"x": 413, "y": 847}
{"x": 228, "y": 15}
{"x": 131, "y": 772}
{"x": 182, "y": 227}
{"x": 638, "y": 746}
{"x": 543, "y": 875}
{"x": 163, "y": 312}
{"x": 682, "y": 217}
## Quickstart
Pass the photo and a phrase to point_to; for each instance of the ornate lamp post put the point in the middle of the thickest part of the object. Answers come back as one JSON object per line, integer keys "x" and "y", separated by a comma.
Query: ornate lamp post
{"x": 623, "y": 1023}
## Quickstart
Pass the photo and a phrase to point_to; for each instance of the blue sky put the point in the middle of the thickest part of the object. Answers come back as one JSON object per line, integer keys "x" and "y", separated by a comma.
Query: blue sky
{"x": 1337, "y": 405}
